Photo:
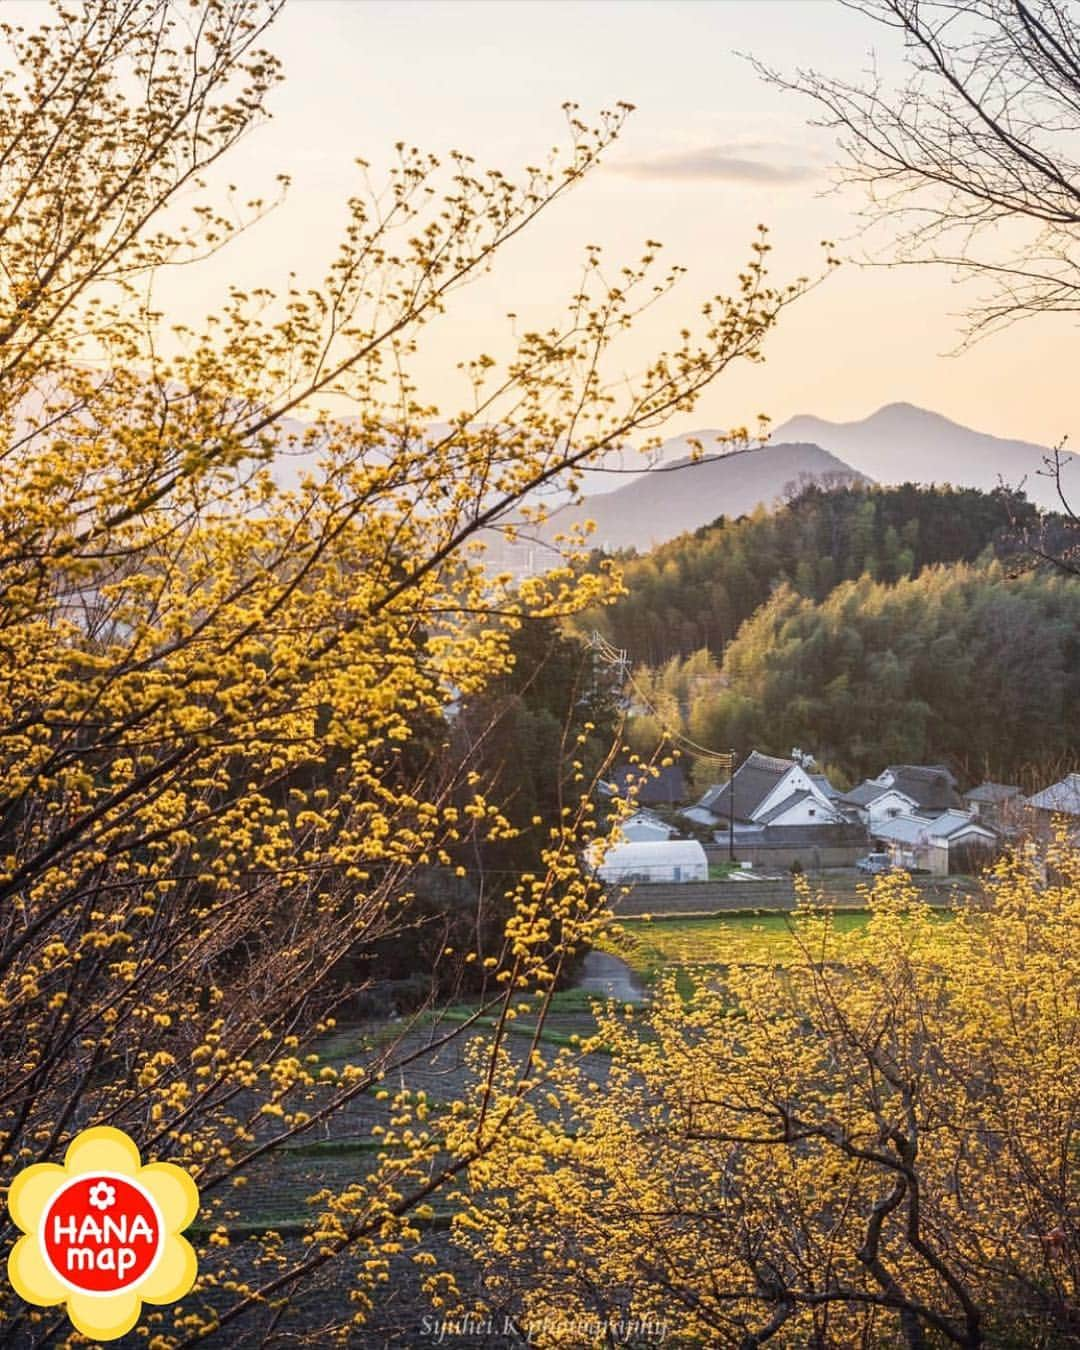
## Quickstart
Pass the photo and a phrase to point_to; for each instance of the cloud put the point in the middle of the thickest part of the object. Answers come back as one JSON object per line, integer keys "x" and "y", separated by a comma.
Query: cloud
{"x": 722, "y": 163}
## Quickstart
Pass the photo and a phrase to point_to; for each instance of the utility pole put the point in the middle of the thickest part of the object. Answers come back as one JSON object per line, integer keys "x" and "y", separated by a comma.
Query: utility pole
{"x": 731, "y": 809}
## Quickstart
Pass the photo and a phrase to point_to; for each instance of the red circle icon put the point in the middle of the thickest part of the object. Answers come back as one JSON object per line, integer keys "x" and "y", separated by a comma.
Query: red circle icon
{"x": 101, "y": 1233}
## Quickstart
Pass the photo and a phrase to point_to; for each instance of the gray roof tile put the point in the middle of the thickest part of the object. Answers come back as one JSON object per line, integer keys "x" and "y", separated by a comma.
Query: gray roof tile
{"x": 754, "y": 779}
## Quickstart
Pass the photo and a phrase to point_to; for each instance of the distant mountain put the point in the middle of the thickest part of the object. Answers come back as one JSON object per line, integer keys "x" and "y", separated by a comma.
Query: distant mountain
{"x": 901, "y": 443}
{"x": 670, "y": 494}
{"x": 682, "y": 495}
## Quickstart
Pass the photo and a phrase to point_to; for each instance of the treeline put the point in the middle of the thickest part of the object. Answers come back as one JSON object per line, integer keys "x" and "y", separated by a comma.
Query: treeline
{"x": 696, "y": 591}
{"x": 961, "y": 664}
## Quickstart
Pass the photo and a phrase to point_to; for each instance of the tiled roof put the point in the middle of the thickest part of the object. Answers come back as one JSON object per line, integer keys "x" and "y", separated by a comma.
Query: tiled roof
{"x": 865, "y": 793}
{"x": 955, "y": 822}
{"x": 643, "y": 816}
{"x": 771, "y": 763}
{"x": 931, "y": 786}
{"x": 754, "y": 779}
{"x": 1063, "y": 796}
{"x": 667, "y": 789}
{"x": 903, "y": 829}
{"x": 926, "y": 771}
{"x": 700, "y": 815}
{"x": 916, "y": 829}
{"x": 710, "y": 796}
{"x": 992, "y": 792}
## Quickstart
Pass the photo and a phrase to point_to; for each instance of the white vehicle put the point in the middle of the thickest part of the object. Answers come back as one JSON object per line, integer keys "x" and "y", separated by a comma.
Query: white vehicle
{"x": 874, "y": 863}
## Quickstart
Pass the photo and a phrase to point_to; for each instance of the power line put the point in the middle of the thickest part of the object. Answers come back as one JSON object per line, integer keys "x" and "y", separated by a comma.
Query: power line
{"x": 619, "y": 661}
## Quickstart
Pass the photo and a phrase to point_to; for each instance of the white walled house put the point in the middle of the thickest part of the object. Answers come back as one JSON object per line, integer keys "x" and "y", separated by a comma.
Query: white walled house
{"x": 671, "y": 860}
{"x": 644, "y": 827}
{"x": 932, "y": 844}
{"x": 766, "y": 790}
{"x": 1059, "y": 799}
{"x": 777, "y": 812}
{"x": 876, "y": 803}
{"x": 800, "y": 808}
{"x": 999, "y": 805}
{"x": 928, "y": 789}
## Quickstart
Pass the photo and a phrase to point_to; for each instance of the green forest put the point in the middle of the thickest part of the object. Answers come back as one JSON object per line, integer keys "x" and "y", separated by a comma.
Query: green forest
{"x": 695, "y": 591}
{"x": 868, "y": 626}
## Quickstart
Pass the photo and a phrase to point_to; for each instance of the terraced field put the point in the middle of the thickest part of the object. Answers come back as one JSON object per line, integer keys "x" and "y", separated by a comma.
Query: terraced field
{"x": 337, "y": 1151}
{"x": 343, "y": 1149}
{"x": 334, "y": 1152}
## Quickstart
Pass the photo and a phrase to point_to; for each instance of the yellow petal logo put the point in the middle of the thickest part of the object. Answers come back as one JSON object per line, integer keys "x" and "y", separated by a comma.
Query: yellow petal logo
{"x": 102, "y": 1233}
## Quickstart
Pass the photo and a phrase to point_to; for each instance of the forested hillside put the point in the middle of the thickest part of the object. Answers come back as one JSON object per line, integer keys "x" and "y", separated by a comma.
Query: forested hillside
{"x": 962, "y": 664}
{"x": 695, "y": 591}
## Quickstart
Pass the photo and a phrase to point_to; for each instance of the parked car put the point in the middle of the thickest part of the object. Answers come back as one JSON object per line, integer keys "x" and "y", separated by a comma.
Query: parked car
{"x": 874, "y": 863}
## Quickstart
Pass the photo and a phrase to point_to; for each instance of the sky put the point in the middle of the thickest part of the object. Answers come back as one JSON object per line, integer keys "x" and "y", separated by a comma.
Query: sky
{"x": 710, "y": 151}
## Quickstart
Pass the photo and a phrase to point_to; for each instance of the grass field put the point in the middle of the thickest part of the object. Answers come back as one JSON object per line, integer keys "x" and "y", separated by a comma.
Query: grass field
{"x": 721, "y": 871}
{"x": 650, "y": 946}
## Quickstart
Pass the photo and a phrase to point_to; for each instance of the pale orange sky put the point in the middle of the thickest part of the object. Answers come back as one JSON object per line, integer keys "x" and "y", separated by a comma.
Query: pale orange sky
{"x": 709, "y": 153}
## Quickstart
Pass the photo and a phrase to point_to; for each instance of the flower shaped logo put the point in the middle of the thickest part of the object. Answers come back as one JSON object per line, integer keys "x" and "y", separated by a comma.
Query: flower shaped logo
{"x": 103, "y": 1196}
{"x": 102, "y": 1233}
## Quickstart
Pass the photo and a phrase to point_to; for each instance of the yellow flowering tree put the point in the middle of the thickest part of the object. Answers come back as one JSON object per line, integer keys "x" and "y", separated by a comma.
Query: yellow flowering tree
{"x": 213, "y": 784}
{"x": 876, "y": 1145}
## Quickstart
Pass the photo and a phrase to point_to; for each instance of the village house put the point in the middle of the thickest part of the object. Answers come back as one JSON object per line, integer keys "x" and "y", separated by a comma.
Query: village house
{"x": 646, "y": 827}
{"x": 1060, "y": 801}
{"x": 914, "y": 813}
{"x": 954, "y": 841}
{"x": 924, "y": 789}
{"x": 778, "y": 812}
{"x": 1059, "y": 798}
{"x": 999, "y": 805}
{"x": 768, "y": 791}
{"x": 874, "y": 803}
{"x": 661, "y": 785}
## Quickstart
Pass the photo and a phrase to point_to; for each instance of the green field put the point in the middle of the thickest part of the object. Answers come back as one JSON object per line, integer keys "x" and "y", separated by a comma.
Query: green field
{"x": 721, "y": 871}
{"x": 650, "y": 946}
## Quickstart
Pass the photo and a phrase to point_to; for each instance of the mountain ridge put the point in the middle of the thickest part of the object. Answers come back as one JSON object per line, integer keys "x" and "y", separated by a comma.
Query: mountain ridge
{"x": 901, "y": 442}
{"x": 640, "y": 514}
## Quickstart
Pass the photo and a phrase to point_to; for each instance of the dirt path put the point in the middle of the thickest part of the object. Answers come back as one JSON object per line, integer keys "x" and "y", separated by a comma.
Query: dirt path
{"x": 602, "y": 973}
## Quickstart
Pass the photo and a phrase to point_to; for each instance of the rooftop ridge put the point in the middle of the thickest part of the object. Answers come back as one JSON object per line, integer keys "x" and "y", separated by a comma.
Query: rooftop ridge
{"x": 920, "y": 770}
{"x": 757, "y": 760}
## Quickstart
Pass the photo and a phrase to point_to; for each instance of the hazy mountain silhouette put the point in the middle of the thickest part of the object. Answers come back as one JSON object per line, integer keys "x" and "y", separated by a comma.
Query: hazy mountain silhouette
{"x": 681, "y": 495}
{"x": 901, "y": 443}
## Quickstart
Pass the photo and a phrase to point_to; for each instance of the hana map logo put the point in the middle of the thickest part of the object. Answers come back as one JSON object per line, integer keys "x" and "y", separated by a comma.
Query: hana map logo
{"x": 102, "y": 1233}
